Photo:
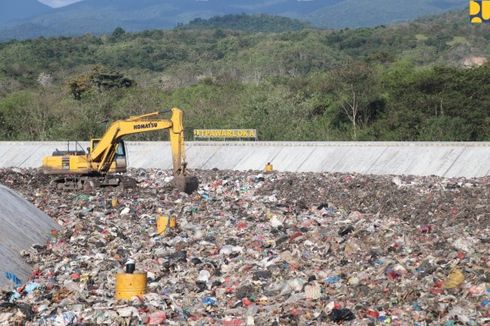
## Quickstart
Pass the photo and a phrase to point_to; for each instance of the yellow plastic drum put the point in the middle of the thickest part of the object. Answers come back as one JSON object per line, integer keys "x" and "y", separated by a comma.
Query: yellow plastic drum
{"x": 130, "y": 285}
{"x": 162, "y": 223}
{"x": 268, "y": 168}
{"x": 173, "y": 222}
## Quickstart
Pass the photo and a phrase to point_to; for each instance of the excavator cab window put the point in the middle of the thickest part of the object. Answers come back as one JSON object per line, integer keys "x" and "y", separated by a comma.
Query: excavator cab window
{"x": 120, "y": 147}
{"x": 93, "y": 144}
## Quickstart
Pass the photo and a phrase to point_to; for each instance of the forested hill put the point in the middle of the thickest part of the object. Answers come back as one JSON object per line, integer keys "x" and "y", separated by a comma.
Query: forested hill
{"x": 425, "y": 80}
{"x": 248, "y": 23}
{"x": 103, "y": 16}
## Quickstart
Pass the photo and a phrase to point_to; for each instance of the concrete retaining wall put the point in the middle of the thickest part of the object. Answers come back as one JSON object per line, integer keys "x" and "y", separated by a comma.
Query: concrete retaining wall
{"x": 451, "y": 159}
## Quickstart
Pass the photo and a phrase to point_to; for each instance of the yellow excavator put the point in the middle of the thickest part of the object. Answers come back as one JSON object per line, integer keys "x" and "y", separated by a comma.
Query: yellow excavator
{"x": 105, "y": 159}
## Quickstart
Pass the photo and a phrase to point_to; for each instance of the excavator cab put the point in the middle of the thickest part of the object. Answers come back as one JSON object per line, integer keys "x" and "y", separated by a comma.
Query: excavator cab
{"x": 120, "y": 161}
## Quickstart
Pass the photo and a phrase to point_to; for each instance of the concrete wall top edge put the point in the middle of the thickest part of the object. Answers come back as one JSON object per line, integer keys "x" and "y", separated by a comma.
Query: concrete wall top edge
{"x": 277, "y": 143}
{"x": 324, "y": 143}
{"x": 340, "y": 143}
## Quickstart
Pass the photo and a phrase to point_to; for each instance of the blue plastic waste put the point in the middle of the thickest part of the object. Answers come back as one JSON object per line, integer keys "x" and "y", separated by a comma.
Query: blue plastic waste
{"x": 209, "y": 301}
{"x": 333, "y": 279}
{"x": 13, "y": 278}
{"x": 31, "y": 286}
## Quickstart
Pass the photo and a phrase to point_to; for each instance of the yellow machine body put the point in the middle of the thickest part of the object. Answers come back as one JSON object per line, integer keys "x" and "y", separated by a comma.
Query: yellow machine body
{"x": 77, "y": 164}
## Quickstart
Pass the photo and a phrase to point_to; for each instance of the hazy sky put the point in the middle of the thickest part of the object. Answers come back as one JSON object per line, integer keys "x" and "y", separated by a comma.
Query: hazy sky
{"x": 58, "y": 3}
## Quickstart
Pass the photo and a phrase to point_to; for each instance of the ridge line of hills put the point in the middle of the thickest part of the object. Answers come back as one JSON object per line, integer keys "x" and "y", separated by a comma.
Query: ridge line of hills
{"x": 23, "y": 19}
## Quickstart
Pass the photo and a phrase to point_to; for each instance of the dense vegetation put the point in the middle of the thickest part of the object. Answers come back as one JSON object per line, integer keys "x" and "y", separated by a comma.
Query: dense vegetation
{"x": 248, "y": 23}
{"x": 405, "y": 82}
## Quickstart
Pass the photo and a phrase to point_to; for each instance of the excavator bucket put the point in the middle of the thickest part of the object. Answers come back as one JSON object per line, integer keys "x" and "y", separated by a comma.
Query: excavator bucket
{"x": 187, "y": 184}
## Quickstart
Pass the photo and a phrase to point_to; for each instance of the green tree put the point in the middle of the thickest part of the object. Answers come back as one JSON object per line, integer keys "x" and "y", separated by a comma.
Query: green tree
{"x": 118, "y": 33}
{"x": 99, "y": 78}
{"x": 355, "y": 89}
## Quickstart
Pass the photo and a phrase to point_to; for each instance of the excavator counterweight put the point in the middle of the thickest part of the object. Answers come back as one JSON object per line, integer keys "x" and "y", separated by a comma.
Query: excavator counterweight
{"x": 107, "y": 155}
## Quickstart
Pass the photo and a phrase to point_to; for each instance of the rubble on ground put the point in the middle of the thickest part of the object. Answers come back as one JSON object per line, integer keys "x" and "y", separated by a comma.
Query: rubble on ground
{"x": 261, "y": 249}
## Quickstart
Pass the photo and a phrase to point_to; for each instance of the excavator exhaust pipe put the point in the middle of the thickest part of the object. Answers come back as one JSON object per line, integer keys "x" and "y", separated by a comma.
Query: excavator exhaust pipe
{"x": 187, "y": 184}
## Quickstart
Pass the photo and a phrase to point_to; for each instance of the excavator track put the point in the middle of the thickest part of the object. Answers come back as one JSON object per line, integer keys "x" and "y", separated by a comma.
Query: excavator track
{"x": 74, "y": 182}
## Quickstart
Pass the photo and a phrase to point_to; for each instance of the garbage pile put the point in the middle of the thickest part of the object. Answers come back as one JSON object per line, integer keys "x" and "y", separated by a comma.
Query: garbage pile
{"x": 261, "y": 249}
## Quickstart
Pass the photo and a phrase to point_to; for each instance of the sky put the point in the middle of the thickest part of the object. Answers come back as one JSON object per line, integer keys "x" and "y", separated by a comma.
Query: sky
{"x": 58, "y": 3}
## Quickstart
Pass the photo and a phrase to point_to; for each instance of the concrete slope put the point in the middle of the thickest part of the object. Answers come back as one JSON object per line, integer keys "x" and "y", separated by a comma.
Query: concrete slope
{"x": 22, "y": 225}
{"x": 448, "y": 159}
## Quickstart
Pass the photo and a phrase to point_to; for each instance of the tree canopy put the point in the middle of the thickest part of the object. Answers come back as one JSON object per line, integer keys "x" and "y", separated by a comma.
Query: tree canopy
{"x": 426, "y": 80}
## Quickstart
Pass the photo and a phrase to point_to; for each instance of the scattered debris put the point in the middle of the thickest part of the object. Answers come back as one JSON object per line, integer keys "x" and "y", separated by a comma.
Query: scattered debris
{"x": 260, "y": 249}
